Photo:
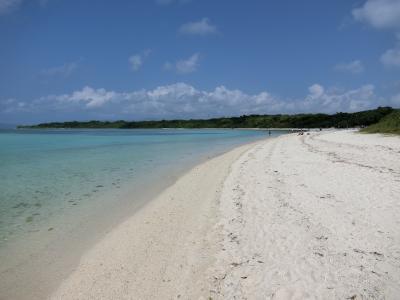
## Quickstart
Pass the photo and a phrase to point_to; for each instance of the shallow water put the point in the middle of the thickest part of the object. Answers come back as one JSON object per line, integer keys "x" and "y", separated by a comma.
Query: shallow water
{"x": 60, "y": 188}
{"x": 44, "y": 172}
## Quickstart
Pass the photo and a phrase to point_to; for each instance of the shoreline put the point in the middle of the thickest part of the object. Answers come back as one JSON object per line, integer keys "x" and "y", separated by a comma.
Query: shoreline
{"x": 28, "y": 276}
{"x": 185, "y": 212}
{"x": 312, "y": 216}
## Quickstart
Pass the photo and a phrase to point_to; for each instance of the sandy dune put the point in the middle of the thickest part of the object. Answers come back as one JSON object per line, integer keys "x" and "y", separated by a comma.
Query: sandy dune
{"x": 295, "y": 217}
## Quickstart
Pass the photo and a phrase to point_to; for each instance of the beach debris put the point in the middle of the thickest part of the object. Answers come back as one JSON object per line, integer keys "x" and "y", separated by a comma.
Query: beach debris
{"x": 319, "y": 254}
{"x": 359, "y": 251}
{"x": 377, "y": 274}
{"x": 376, "y": 253}
{"x": 235, "y": 264}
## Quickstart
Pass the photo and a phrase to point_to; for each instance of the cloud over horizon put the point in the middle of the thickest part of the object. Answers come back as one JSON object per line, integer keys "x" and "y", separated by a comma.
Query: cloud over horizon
{"x": 181, "y": 100}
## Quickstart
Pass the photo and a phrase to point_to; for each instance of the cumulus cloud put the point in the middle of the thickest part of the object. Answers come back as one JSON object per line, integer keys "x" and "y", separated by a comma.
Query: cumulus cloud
{"x": 333, "y": 100}
{"x": 65, "y": 70}
{"x": 354, "y": 67}
{"x": 181, "y": 100}
{"x": 184, "y": 66}
{"x": 381, "y": 14}
{"x": 391, "y": 58}
{"x": 90, "y": 97}
{"x": 202, "y": 27}
{"x": 316, "y": 91}
{"x": 7, "y": 6}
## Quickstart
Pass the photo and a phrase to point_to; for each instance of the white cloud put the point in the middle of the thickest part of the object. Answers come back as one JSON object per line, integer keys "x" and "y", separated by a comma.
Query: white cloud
{"x": 184, "y": 66}
{"x": 381, "y": 14}
{"x": 334, "y": 100}
{"x": 136, "y": 60}
{"x": 316, "y": 91}
{"x": 7, "y": 6}
{"x": 65, "y": 70}
{"x": 188, "y": 65}
{"x": 202, "y": 27}
{"x": 391, "y": 58}
{"x": 92, "y": 97}
{"x": 354, "y": 67}
{"x": 181, "y": 100}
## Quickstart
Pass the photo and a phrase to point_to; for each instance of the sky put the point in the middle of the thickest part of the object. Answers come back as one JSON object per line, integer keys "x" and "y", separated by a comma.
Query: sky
{"x": 66, "y": 60}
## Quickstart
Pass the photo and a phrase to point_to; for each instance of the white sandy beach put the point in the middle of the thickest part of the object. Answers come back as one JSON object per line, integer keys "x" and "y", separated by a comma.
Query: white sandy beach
{"x": 295, "y": 217}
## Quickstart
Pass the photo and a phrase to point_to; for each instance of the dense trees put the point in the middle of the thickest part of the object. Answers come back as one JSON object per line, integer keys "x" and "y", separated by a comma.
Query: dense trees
{"x": 339, "y": 120}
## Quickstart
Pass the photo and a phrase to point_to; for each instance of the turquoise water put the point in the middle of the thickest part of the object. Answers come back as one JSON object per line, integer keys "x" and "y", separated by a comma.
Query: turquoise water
{"x": 61, "y": 191}
{"x": 46, "y": 173}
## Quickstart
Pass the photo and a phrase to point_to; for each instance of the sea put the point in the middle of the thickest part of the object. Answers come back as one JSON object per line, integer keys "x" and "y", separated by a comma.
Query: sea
{"x": 61, "y": 189}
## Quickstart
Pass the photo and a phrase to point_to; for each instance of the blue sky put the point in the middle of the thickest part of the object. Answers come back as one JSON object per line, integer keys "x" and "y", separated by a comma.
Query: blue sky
{"x": 154, "y": 59}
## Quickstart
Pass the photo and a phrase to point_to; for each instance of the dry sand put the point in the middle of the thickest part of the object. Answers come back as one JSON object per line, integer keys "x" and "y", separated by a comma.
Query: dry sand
{"x": 295, "y": 217}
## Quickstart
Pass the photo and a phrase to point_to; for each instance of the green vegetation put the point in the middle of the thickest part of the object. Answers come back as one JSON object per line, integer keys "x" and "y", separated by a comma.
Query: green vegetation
{"x": 388, "y": 124}
{"x": 338, "y": 120}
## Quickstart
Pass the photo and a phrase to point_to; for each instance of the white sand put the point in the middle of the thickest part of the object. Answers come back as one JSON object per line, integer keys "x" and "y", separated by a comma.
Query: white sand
{"x": 295, "y": 217}
{"x": 163, "y": 251}
{"x": 312, "y": 217}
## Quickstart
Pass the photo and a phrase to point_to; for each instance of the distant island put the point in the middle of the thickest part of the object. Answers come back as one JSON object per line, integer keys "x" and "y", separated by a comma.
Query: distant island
{"x": 338, "y": 120}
